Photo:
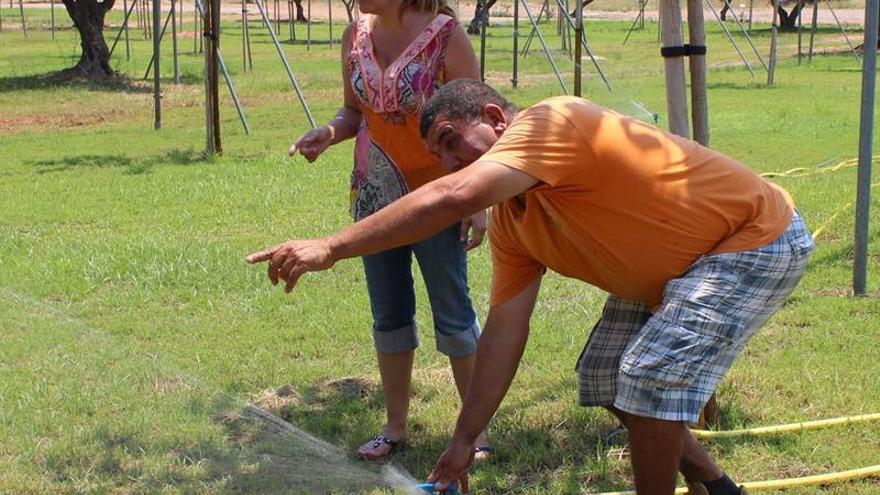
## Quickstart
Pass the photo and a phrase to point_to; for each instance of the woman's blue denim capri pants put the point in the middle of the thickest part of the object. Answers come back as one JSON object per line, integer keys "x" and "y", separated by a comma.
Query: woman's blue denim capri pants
{"x": 443, "y": 263}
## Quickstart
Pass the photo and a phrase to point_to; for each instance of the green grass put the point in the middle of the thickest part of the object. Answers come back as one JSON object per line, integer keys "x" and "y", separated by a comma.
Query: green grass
{"x": 129, "y": 319}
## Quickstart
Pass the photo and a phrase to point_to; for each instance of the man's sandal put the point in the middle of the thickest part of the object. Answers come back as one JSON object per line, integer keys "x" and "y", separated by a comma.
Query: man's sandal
{"x": 482, "y": 453}
{"x": 379, "y": 441}
{"x": 698, "y": 488}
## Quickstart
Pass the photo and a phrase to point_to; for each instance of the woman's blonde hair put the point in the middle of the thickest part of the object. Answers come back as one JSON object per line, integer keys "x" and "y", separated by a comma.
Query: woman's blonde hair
{"x": 433, "y": 6}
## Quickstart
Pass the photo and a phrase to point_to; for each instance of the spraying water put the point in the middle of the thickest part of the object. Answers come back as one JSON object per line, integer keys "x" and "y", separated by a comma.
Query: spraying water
{"x": 258, "y": 452}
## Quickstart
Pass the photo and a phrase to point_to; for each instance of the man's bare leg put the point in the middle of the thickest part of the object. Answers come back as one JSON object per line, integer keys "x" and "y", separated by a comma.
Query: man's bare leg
{"x": 695, "y": 464}
{"x": 656, "y": 448}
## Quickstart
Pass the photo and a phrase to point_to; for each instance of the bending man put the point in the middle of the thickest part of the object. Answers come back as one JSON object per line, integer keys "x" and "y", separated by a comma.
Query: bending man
{"x": 695, "y": 250}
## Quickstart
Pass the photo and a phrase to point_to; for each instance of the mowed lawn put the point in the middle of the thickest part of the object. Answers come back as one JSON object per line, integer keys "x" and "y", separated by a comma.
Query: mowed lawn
{"x": 132, "y": 330}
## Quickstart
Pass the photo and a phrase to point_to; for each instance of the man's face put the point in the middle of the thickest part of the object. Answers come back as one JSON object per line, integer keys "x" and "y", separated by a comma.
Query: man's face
{"x": 459, "y": 142}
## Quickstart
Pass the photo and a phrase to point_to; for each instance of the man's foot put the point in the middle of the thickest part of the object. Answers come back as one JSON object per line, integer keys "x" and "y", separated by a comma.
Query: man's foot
{"x": 721, "y": 486}
{"x": 379, "y": 447}
{"x": 482, "y": 448}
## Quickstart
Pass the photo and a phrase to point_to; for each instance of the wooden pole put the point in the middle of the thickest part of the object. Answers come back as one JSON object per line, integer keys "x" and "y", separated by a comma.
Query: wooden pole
{"x": 139, "y": 17}
{"x": 813, "y": 30}
{"x": 197, "y": 32}
{"x": 238, "y": 107}
{"x": 52, "y": 14}
{"x": 309, "y": 25}
{"x": 246, "y": 61}
{"x": 751, "y": 12}
{"x": 659, "y": 21}
{"x": 174, "y": 41}
{"x": 212, "y": 94}
{"x": 124, "y": 30}
{"x": 161, "y": 36}
{"x": 157, "y": 95}
{"x": 866, "y": 136}
{"x": 676, "y": 102}
{"x": 244, "y": 35}
{"x": 483, "y": 23}
{"x": 23, "y": 24}
{"x": 125, "y": 27}
{"x": 578, "y": 47}
{"x": 699, "y": 98}
{"x": 565, "y": 29}
{"x": 149, "y": 22}
{"x": 800, "y": 28}
{"x": 515, "y": 79}
{"x": 291, "y": 24}
{"x": 773, "y": 44}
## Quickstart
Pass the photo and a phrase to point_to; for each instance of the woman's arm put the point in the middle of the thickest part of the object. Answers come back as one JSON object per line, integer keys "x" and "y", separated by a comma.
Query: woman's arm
{"x": 348, "y": 120}
{"x": 344, "y": 125}
{"x": 461, "y": 61}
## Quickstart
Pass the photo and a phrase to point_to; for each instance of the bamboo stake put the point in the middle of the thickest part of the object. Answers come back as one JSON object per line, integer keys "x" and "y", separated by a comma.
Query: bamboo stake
{"x": 157, "y": 96}
{"x": 773, "y": 44}
{"x": 676, "y": 103}
{"x": 699, "y": 99}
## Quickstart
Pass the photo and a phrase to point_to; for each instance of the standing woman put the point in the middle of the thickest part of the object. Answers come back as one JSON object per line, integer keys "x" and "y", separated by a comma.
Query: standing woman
{"x": 393, "y": 59}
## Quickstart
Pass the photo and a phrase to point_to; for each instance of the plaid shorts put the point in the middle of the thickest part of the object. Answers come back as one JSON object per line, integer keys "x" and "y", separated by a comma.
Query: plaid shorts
{"x": 666, "y": 365}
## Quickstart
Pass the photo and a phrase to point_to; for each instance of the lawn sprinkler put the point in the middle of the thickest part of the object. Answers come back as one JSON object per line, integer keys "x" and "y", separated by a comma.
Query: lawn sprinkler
{"x": 431, "y": 487}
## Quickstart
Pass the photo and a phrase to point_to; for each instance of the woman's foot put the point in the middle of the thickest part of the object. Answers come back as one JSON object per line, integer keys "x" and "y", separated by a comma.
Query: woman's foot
{"x": 382, "y": 445}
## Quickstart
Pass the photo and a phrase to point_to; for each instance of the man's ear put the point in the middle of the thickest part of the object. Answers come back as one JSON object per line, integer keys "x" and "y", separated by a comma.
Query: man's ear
{"x": 495, "y": 117}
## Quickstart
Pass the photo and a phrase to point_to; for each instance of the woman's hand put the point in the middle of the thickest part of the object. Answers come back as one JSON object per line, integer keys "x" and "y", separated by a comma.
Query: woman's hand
{"x": 313, "y": 143}
{"x": 476, "y": 223}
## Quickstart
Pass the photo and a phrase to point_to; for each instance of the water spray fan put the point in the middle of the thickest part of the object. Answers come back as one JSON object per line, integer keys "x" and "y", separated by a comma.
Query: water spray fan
{"x": 431, "y": 487}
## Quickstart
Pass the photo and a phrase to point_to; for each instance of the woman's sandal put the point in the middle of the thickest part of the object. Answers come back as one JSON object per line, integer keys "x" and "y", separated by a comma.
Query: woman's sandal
{"x": 379, "y": 441}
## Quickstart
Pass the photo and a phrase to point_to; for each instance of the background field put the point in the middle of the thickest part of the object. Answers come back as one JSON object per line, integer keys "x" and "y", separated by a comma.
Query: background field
{"x": 130, "y": 323}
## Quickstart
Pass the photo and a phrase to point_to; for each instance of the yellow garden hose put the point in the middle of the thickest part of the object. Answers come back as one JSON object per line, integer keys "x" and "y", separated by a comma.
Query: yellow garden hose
{"x": 844, "y": 208}
{"x": 786, "y": 428}
{"x": 819, "y": 479}
{"x": 803, "y": 171}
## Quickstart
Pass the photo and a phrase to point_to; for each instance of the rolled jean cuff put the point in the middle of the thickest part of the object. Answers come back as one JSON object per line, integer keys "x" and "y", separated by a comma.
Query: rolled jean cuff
{"x": 460, "y": 344}
{"x": 395, "y": 341}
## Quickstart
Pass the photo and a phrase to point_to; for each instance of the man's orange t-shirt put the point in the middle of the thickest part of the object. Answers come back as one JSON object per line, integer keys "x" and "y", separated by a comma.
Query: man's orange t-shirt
{"x": 621, "y": 205}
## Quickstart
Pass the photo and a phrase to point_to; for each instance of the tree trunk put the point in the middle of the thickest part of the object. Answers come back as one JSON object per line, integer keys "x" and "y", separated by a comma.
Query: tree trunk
{"x": 300, "y": 14}
{"x": 88, "y": 17}
{"x": 481, "y": 15}
{"x": 788, "y": 20}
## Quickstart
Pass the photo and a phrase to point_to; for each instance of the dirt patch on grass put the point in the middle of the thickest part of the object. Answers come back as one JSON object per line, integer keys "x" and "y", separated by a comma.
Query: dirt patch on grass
{"x": 351, "y": 387}
{"x": 20, "y": 123}
{"x": 165, "y": 385}
{"x": 276, "y": 399}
